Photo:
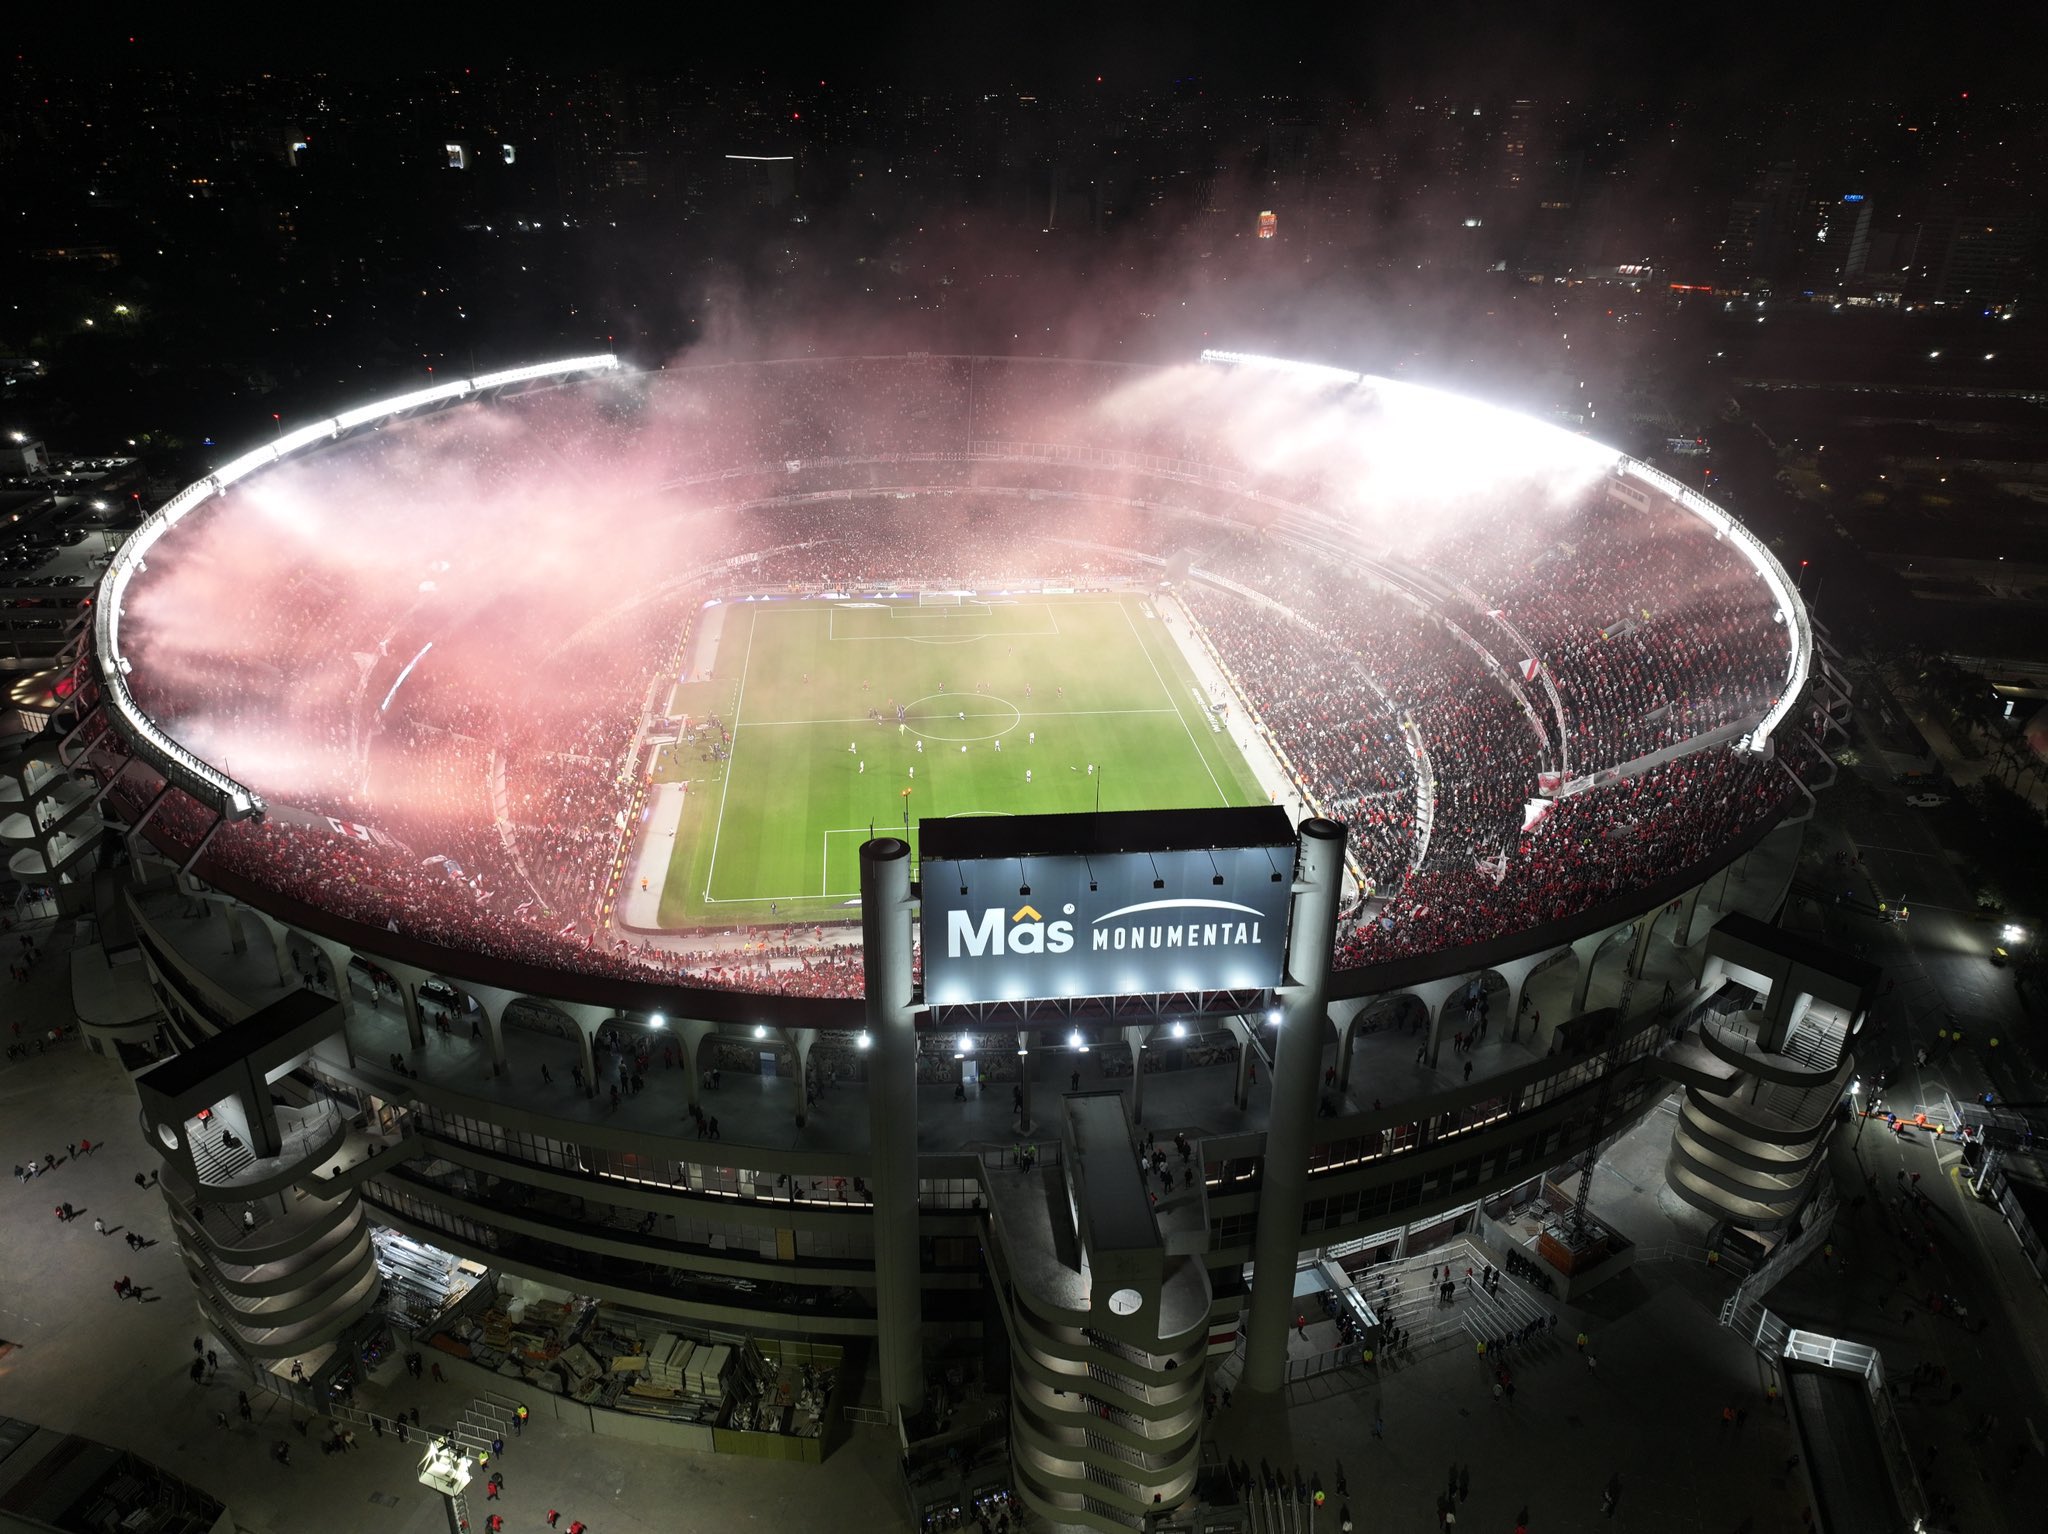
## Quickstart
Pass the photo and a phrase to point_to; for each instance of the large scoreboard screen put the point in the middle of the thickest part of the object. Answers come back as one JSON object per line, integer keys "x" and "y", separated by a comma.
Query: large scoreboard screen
{"x": 1037, "y": 907}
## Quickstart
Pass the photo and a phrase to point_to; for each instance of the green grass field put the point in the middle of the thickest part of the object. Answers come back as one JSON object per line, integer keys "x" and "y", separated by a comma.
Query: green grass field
{"x": 1044, "y": 685}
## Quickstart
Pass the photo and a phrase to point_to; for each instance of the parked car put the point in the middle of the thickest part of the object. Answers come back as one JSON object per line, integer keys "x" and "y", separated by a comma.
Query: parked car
{"x": 1926, "y": 801}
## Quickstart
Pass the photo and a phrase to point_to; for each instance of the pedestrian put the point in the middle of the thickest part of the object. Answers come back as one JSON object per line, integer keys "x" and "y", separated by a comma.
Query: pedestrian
{"x": 439, "y": 1377}
{"x": 1583, "y": 1340}
{"x": 212, "y": 1359}
{"x": 711, "y": 1126}
{"x": 220, "y": 1420}
{"x": 99, "y": 1225}
{"x": 576, "y": 1527}
{"x": 1592, "y": 1363}
{"x": 552, "y": 1516}
{"x": 491, "y": 1490}
{"x": 1379, "y": 1426}
{"x": 497, "y": 1446}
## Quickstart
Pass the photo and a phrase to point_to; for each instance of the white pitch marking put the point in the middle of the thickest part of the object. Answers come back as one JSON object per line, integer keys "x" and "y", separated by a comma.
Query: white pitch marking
{"x": 1169, "y": 697}
{"x": 725, "y": 787}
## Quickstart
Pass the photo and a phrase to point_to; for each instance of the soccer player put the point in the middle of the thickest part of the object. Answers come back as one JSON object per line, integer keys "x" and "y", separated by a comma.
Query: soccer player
{"x": 999, "y": 743}
{"x": 920, "y": 746}
{"x": 863, "y": 768}
{"x": 1031, "y": 737}
{"x": 849, "y": 748}
{"x": 1027, "y": 774}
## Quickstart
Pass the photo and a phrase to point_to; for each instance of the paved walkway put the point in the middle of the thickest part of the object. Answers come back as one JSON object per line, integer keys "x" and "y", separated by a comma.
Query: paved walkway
{"x": 115, "y": 1370}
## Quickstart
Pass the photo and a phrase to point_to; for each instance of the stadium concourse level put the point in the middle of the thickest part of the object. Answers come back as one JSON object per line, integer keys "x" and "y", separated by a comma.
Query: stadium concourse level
{"x": 487, "y": 816}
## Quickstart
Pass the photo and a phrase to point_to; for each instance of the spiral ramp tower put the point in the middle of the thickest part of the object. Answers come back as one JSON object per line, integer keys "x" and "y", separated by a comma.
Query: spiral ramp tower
{"x": 1107, "y": 1303}
{"x": 1763, "y": 1083}
{"x": 49, "y": 819}
{"x": 264, "y": 1149}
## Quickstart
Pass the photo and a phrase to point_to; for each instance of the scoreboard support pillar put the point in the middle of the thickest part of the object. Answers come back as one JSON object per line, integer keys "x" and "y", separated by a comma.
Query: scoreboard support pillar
{"x": 1297, "y": 1066}
{"x": 892, "y": 1118}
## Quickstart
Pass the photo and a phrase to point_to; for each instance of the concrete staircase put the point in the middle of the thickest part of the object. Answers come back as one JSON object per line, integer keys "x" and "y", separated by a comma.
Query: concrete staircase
{"x": 213, "y": 1160}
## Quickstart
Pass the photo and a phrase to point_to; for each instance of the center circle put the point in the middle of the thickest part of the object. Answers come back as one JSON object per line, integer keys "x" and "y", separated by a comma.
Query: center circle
{"x": 937, "y": 716}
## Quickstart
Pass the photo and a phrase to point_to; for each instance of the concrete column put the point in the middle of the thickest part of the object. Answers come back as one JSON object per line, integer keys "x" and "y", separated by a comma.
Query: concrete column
{"x": 1682, "y": 938}
{"x": 1296, "y": 1071}
{"x": 1639, "y": 944}
{"x": 134, "y": 834}
{"x": 1588, "y": 949}
{"x": 1433, "y": 994}
{"x": 280, "y": 943}
{"x": 1347, "y": 1031}
{"x": 892, "y": 1119}
{"x": 1516, "y": 973}
{"x": 337, "y": 957}
{"x": 1135, "y": 1040}
{"x": 259, "y": 1113}
{"x": 409, "y": 980}
{"x": 492, "y": 1002}
{"x": 494, "y": 1031}
{"x": 588, "y": 1019}
{"x": 1025, "y": 1061}
{"x": 1241, "y": 1093}
{"x": 800, "y": 1041}
{"x": 691, "y": 1034}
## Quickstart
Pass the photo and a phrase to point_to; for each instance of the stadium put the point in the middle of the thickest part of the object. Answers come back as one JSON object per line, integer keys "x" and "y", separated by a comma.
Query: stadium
{"x": 573, "y": 702}
{"x": 1597, "y": 645}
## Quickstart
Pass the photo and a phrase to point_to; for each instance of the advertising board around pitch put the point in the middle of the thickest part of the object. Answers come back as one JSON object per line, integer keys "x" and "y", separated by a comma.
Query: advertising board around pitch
{"x": 1040, "y": 907}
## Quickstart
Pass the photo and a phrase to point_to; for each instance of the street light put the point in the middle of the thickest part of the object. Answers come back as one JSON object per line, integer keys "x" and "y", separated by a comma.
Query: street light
{"x": 1862, "y": 1118}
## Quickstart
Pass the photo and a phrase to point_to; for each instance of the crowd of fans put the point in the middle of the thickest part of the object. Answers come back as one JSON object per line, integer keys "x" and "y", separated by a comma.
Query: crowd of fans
{"x": 485, "y": 807}
{"x": 1653, "y": 630}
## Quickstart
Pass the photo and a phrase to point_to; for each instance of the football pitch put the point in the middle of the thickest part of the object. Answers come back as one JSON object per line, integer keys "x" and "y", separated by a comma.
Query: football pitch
{"x": 1041, "y": 705}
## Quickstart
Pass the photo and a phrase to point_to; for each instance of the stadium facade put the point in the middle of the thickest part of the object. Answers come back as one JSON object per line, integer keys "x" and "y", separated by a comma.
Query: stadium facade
{"x": 324, "y": 1080}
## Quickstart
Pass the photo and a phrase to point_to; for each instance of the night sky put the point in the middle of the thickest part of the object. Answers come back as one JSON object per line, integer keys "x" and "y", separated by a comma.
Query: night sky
{"x": 1719, "y": 56}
